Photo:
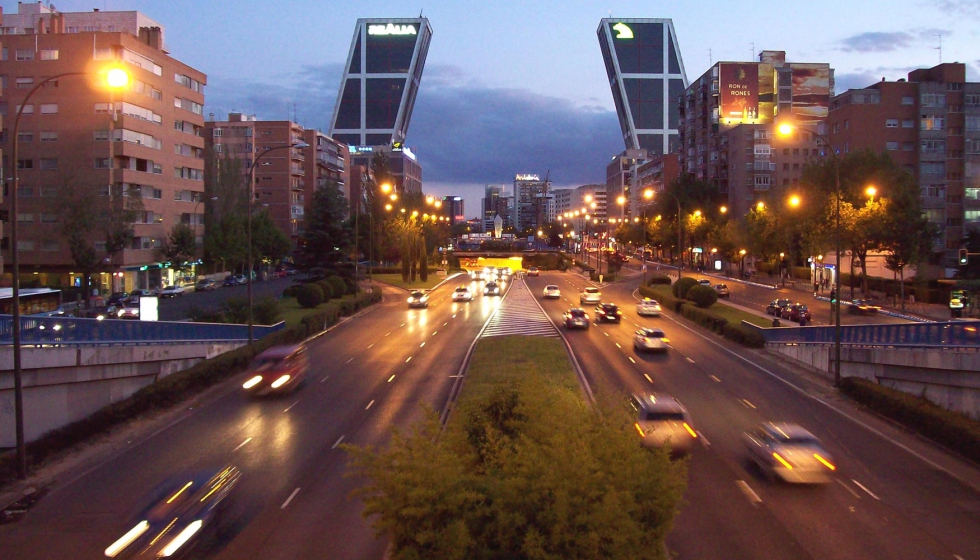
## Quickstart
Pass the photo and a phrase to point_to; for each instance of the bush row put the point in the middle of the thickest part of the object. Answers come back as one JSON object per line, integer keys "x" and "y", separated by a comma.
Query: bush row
{"x": 179, "y": 386}
{"x": 949, "y": 428}
{"x": 736, "y": 333}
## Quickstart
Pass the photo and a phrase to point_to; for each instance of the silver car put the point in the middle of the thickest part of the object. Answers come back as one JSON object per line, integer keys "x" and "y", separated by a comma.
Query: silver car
{"x": 789, "y": 452}
{"x": 662, "y": 420}
{"x": 590, "y": 295}
{"x": 653, "y": 340}
{"x": 418, "y": 299}
{"x": 551, "y": 291}
{"x": 648, "y": 308}
{"x": 462, "y": 293}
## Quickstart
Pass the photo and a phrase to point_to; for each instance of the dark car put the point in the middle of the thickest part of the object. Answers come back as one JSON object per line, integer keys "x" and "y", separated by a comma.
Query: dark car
{"x": 776, "y": 306}
{"x": 608, "y": 312}
{"x": 99, "y": 312}
{"x": 797, "y": 312}
{"x": 862, "y": 307}
{"x": 576, "y": 318}
{"x": 230, "y": 281}
{"x": 117, "y": 298}
{"x": 205, "y": 285}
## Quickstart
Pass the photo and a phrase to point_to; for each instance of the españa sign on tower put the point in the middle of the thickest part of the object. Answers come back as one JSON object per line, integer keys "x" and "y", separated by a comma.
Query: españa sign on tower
{"x": 391, "y": 29}
{"x": 739, "y": 85}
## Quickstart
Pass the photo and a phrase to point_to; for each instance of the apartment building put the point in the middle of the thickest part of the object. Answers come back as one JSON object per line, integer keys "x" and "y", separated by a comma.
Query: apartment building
{"x": 142, "y": 148}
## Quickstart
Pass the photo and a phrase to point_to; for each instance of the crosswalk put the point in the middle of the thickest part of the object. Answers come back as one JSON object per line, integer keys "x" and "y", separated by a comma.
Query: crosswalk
{"x": 519, "y": 315}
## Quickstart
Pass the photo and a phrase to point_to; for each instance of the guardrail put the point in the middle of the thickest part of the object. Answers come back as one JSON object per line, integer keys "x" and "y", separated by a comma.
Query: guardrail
{"x": 78, "y": 331}
{"x": 939, "y": 334}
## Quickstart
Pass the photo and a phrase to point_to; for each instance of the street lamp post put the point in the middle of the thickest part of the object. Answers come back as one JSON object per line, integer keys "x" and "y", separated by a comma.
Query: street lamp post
{"x": 251, "y": 200}
{"x": 648, "y": 195}
{"x": 115, "y": 78}
{"x": 680, "y": 224}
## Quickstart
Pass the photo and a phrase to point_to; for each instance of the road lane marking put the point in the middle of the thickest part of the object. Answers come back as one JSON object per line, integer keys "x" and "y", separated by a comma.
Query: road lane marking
{"x": 402, "y": 325}
{"x": 392, "y": 378}
{"x": 861, "y": 486}
{"x": 336, "y": 443}
{"x": 369, "y": 347}
{"x": 435, "y": 333}
{"x": 408, "y": 360}
{"x": 422, "y": 345}
{"x": 690, "y": 360}
{"x": 352, "y": 359}
{"x": 291, "y": 406}
{"x": 648, "y": 377}
{"x": 605, "y": 333}
{"x": 747, "y": 403}
{"x": 324, "y": 379}
{"x": 715, "y": 378}
{"x": 618, "y": 346}
{"x": 749, "y": 492}
{"x": 704, "y": 440}
{"x": 454, "y": 315}
{"x": 369, "y": 404}
{"x": 290, "y": 498}
{"x": 631, "y": 359}
{"x": 446, "y": 323}
{"x": 240, "y": 445}
{"x": 849, "y": 489}
{"x": 387, "y": 334}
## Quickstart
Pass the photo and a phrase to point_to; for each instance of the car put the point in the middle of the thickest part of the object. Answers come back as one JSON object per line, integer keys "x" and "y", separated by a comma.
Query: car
{"x": 576, "y": 318}
{"x": 172, "y": 291}
{"x": 662, "y": 420}
{"x": 507, "y": 271}
{"x": 533, "y": 271}
{"x": 242, "y": 279}
{"x": 797, "y": 312}
{"x": 205, "y": 285}
{"x": 723, "y": 291}
{"x": 117, "y": 298}
{"x": 590, "y": 295}
{"x": 776, "y": 306}
{"x": 135, "y": 295}
{"x": 862, "y": 307}
{"x": 705, "y": 282}
{"x": 462, "y": 293}
{"x": 291, "y": 272}
{"x": 181, "y": 511}
{"x": 489, "y": 272}
{"x": 128, "y": 310}
{"x": 607, "y": 313}
{"x": 99, "y": 312}
{"x": 551, "y": 291}
{"x": 418, "y": 298}
{"x": 230, "y": 281}
{"x": 491, "y": 289}
{"x": 648, "y": 308}
{"x": 650, "y": 339}
{"x": 788, "y": 452}
{"x": 280, "y": 369}
{"x": 476, "y": 274}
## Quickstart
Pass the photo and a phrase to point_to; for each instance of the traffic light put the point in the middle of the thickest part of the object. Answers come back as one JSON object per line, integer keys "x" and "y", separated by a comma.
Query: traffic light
{"x": 964, "y": 257}
{"x": 833, "y": 295}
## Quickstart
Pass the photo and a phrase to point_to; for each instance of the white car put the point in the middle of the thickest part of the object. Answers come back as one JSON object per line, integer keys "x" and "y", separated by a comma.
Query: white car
{"x": 551, "y": 292}
{"x": 590, "y": 295}
{"x": 172, "y": 291}
{"x": 533, "y": 271}
{"x": 462, "y": 293}
{"x": 789, "y": 452}
{"x": 662, "y": 420}
{"x": 705, "y": 282}
{"x": 418, "y": 299}
{"x": 476, "y": 274}
{"x": 650, "y": 339}
{"x": 648, "y": 308}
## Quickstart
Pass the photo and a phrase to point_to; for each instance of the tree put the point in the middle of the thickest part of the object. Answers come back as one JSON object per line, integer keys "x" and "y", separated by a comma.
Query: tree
{"x": 117, "y": 216}
{"x": 225, "y": 240}
{"x": 180, "y": 247}
{"x": 268, "y": 241}
{"x": 77, "y": 208}
{"x": 225, "y": 206}
{"x": 327, "y": 237}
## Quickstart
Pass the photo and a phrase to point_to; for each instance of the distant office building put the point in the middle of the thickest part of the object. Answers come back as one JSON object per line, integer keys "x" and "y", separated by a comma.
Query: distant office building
{"x": 646, "y": 75}
{"x": 405, "y": 169}
{"x": 727, "y": 121}
{"x": 531, "y": 201}
{"x": 930, "y": 124}
{"x": 563, "y": 200}
{"x": 619, "y": 180}
{"x": 452, "y": 208}
{"x": 656, "y": 174}
{"x": 380, "y": 82}
{"x": 496, "y": 203}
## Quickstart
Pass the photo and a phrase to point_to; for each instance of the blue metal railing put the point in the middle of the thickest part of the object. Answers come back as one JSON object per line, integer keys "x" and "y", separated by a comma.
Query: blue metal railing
{"x": 945, "y": 334}
{"x": 73, "y": 330}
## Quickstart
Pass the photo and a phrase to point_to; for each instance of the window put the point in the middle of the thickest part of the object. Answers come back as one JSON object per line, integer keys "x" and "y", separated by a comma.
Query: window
{"x": 101, "y": 135}
{"x": 971, "y": 99}
{"x": 933, "y": 168}
{"x": 908, "y": 100}
{"x": 137, "y": 138}
{"x": 932, "y": 123}
{"x": 24, "y": 55}
{"x": 836, "y": 128}
{"x": 25, "y": 136}
{"x": 189, "y": 173}
{"x": 891, "y": 123}
{"x": 49, "y": 164}
{"x": 24, "y": 83}
{"x": 891, "y": 146}
{"x": 847, "y": 124}
{"x": 973, "y": 146}
{"x": 785, "y": 167}
{"x": 102, "y": 163}
{"x": 188, "y": 82}
{"x": 933, "y": 146}
{"x": 49, "y": 192}
{"x": 908, "y": 146}
{"x": 49, "y": 108}
{"x": 25, "y": 246}
{"x": 973, "y": 123}
{"x": 49, "y": 245}
{"x": 25, "y": 164}
{"x": 25, "y": 218}
{"x": 49, "y": 136}
{"x": 188, "y": 105}
{"x": 49, "y": 218}
{"x": 49, "y": 54}
{"x": 796, "y": 151}
{"x": 933, "y": 99}
{"x": 785, "y": 151}
{"x": 141, "y": 62}
{"x": 28, "y": 109}
{"x": 908, "y": 123}
{"x": 25, "y": 192}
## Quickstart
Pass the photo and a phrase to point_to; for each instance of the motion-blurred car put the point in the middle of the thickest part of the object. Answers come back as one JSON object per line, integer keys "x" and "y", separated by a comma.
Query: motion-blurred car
{"x": 650, "y": 340}
{"x": 723, "y": 291}
{"x": 181, "y": 510}
{"x": 99, "y": 312}
{"x": 476, "y": 274}
{"x": 533, "y": 271}
{"x": 576, "y": 318}
{"x": 128, "y": 310}
{"x": 491, "y": 289}
{"x": 204, "y": 285}
{"x": 172, "y": 291}
{"x": 662, "y": 420}
{"x": 551, "y": 291}
{"x": 789, "y": 452}
{"x": 590, "y": 295}
{"x": 135, "y": 295}
{"x": 648, "y": 308}
{"x": 231, "y": 281}
{"x": 776, "y": 306}
{"x": 279, "y": 369}
{"x": 506, "y": 271}
{"x": 418, "y": 298}
{"x": 862, "y": 307}
{"x": 705, "y": 282}
{"x": 117, "y": 298}
{"x": 462, "y": 293}
{"x": 796, "y": 312}
{"x": 607, "y": 313}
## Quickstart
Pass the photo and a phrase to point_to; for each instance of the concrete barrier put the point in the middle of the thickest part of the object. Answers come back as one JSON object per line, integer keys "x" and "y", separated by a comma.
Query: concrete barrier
{"x": 947, "y": 378}
{"x": 63, "y": 385}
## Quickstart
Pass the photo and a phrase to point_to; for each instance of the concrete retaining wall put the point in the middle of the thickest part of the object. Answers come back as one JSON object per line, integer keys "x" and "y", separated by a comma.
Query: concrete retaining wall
{"x": 948, "y": 378}
{"x": 63, "y": 385}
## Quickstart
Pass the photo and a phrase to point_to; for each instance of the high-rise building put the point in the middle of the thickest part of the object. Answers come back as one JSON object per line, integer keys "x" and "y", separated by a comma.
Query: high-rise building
{"x": 496, "y": 203}
{"x": 452, "y": 208}
{"x": 531, "y": 202}
{"x": 406, "y": 173}
{"x": 619, "y": 180}
{"x": 141, "y": 148}
{"x": 380, "y": 82}
{"x": 930, "y": 124}
{"x": 656, "y": 174}
{"x": 727, "y": 120}
{"x": 646, "y": 75}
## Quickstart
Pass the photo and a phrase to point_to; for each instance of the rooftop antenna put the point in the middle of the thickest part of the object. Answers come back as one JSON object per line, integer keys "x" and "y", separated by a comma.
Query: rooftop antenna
{"x": 752, "y": 53}
{"x": 940, "y": 48}
{"x": 710, "y": 60}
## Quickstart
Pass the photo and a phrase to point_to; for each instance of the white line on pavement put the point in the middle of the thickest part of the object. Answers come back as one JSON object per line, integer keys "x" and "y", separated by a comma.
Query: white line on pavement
{"x": 408, "y": 360}
{"x": 240, "y": 445}
{"x": 631, "y": 359}
{"x": 349, "y": 361}
{"x": 291, "y": 406}
{"x": 749, "y": 492}
{"x": 648, "y": 377}
{"x": 849, "y": 489}
{"x": 422, "y": 345}
{"x": 704, "y": 440}
{"x": 392, "y": 378}
{"x": 369, "y": 347}
{"x": 369, "y": 404}
{"x": 324, "y": 379}
{"x": 289, "y": 499}
{"x": 336, "y": 443}
{"x": 861, "y": 486}
{"x": 690, "y": 360}
{"x": 747, "y": 403}
{"x": 715, "y": 378}
{"x": 618, "y": 346}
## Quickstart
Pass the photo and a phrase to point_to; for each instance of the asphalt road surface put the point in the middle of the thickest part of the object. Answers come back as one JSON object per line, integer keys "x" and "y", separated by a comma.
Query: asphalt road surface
{"x": 177, "y": 308}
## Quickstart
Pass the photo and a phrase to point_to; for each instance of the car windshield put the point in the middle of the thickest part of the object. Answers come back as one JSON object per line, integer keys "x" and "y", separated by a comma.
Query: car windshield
{"x": 462, "y": 289}
{"x": 551, "y": 287}
{"x": 609, "y": 307}
{"x": 653, "y": 334}
{"x": 592, "y": 290}
{"x": 577, "y": 313}
{"x": 417, "y": 294}
{"x": 664, "y": 416}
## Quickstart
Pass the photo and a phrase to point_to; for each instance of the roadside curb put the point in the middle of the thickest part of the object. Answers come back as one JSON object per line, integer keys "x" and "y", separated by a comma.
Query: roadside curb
{"x": 883, "y": 311}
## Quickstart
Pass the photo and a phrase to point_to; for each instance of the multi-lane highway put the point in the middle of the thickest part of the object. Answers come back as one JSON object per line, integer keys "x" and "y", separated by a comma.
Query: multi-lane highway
{"x": 892, "y": 496}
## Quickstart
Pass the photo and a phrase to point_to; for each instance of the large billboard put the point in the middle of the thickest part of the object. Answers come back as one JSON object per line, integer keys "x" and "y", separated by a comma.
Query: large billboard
{"x": 739, "y": 85}
{"x": 811, "y": 91}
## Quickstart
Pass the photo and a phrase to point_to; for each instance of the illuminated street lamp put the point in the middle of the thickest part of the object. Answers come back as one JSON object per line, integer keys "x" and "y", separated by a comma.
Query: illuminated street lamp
{"x": 794, "y": 201}
{"x": 723, "y": 209}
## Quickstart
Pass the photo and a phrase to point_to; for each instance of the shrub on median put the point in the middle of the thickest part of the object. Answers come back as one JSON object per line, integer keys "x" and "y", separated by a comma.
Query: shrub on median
{"x": 337, "y": 285}
{"x": 680, "y": 288}
{"x": 702, "y": 296}
{"x": 309, "y": 296}
{"x": 659, "y": 279}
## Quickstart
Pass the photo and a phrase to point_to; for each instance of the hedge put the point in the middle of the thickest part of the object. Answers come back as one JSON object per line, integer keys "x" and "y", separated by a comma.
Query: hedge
{"x": 338, "y": 285}
{"x": 178, "y": 387}
{"x": 680, "y": 288}
{"x": 659, "y": 279}
{"x": 702, "y": 296}
{"x": 736, "y": 333}
{"x": 949, "y": 428}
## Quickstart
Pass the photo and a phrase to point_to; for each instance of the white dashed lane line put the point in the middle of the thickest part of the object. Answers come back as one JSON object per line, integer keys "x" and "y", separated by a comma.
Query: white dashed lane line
{"x": 715, "y": 378}
{"x": 648, "y": 377}
{"x": 422, "y": 345}
{"x": 746, "y": 403}
{"x": 336, "y": 443}
{"x": 690, "y": 360}
{"x": 241, "y": 445}
{"x": 324, "y": 379}
{"x": 291, "y": 406}
{"x": 631, "y": 359}
{"x": 369, "y": 405}
{"x": 392, "y": 378}
{"x": 749, "y": 492}
{"x": 350, "y": 360}
{"x": 861, "y": 486}
{"x": 849, "y": 489}
{"x": 289, "y": 499}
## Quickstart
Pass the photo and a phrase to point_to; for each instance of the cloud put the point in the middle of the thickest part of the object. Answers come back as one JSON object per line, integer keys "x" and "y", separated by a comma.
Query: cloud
{"x": 864, "y": 77}
{"x": 876, "y": 41}
{"x": 970, "y": 8}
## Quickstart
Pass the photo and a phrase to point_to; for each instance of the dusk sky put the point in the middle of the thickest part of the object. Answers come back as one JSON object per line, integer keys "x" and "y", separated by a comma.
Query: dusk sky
{"x": 519, "y": 87}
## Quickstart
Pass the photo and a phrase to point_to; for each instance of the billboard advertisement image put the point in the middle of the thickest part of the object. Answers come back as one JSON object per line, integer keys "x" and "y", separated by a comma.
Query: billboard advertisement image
{"x": 739, "y": 91}
{"x": 811, "y": 91}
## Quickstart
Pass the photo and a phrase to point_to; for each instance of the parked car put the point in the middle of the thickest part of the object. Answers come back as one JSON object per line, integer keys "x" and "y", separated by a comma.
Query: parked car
{"x": 796, "y": 312}
{"x": 776, "y": 307}
{"x": 607, "y": 312}
{"x": 117, "y": 298}
{"x": 648, "y": 308}
{"x": 172, "y": 291}
{"x": 576, "y": 318}
{"x": 862, "y": 307}
{"x": 205, "y": 285}
{"x": 789, "y": 452}
{"x": 723, "y": 291}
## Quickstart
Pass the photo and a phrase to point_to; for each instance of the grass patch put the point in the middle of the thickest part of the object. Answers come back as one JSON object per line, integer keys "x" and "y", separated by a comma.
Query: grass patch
{"x": 736, "y": 316}
{"x": 396, "y": 280}
{"x": 724, "y": 320}
{"x": 505, "y": 361}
